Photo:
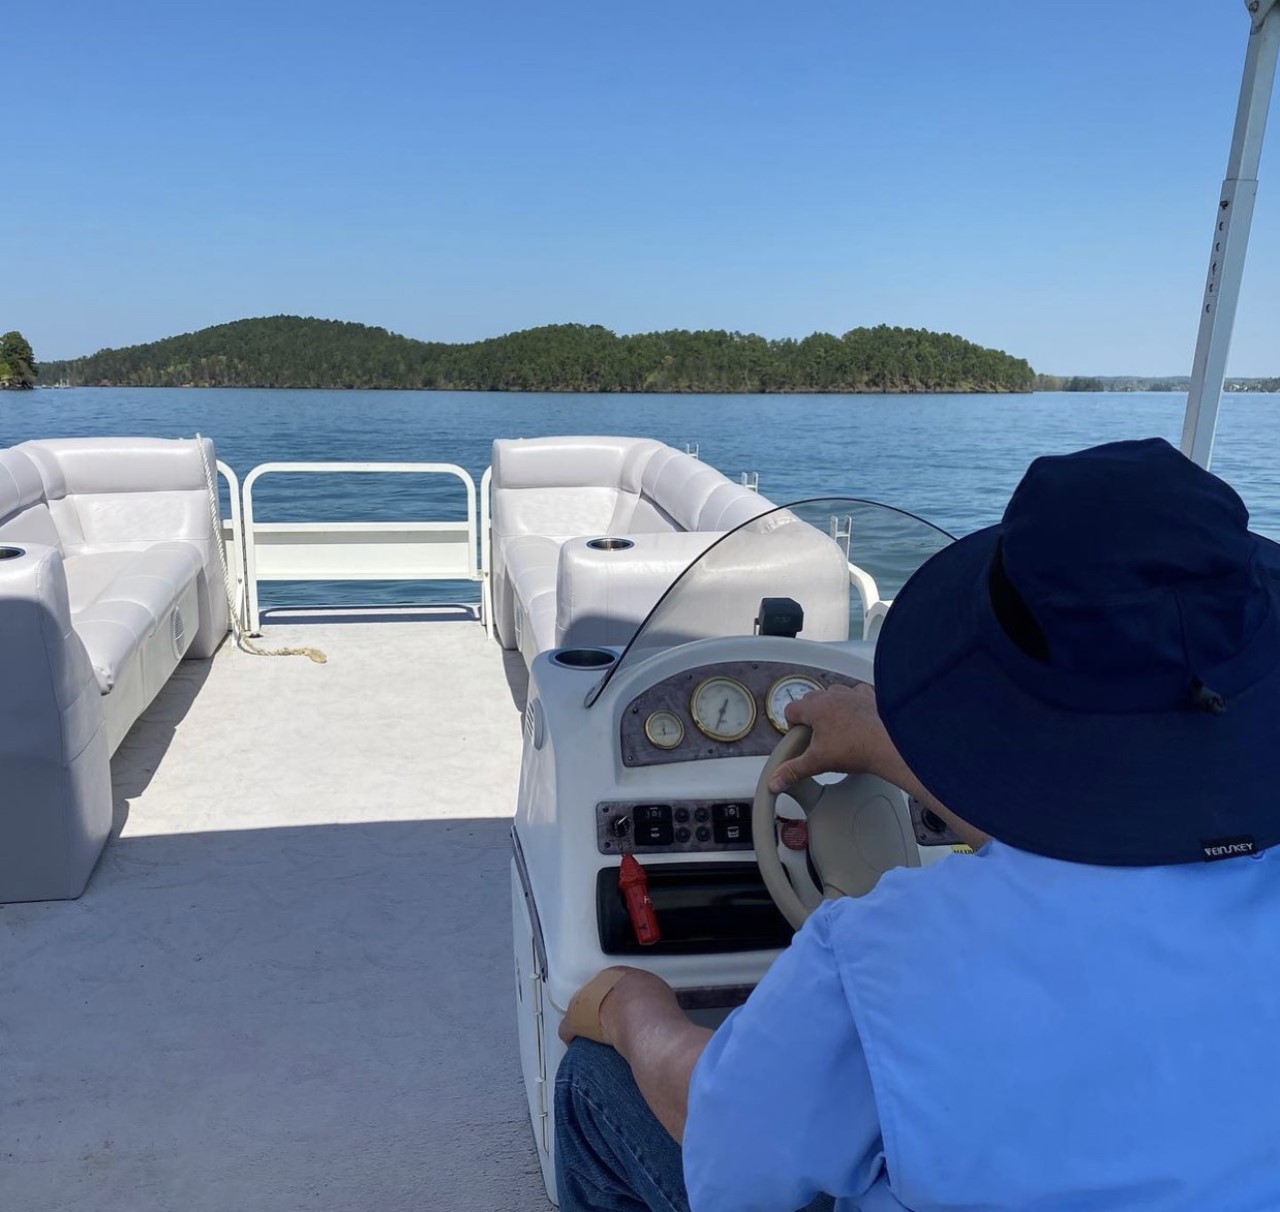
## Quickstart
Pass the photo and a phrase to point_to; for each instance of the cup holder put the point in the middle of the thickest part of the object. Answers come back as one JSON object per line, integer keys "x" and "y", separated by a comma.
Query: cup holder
{"x": 609, "y": 543}
{"x": 583, "y": 658}
{"x": 11, "y": 553}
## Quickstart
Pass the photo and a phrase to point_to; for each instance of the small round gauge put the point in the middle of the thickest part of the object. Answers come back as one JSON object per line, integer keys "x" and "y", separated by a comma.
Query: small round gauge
{"x": 723, "y": 709}
{"x": 787, "y": 690}
{"x": 664, "y": 729}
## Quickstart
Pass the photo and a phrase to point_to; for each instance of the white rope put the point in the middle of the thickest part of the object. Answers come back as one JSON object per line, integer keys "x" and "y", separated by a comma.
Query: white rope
{"x": 242, "y": 638}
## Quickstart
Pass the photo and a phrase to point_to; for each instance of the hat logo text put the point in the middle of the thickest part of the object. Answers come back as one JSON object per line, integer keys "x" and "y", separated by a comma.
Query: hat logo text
{"x": 1226, "y": 847}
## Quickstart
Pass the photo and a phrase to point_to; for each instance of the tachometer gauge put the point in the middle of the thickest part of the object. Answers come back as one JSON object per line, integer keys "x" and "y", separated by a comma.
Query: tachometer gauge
{"x": 723, "y": 709}
{"x": 787, "y": 690}
{"x": 664, "y": 729}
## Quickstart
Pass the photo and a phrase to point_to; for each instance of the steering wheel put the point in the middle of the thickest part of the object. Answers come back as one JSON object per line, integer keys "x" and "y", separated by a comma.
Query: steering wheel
{"x": 858, "y": 829}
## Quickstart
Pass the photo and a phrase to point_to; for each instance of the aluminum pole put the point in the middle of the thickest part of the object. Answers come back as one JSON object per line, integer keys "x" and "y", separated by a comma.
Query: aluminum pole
{"x": 1231, "y": 233}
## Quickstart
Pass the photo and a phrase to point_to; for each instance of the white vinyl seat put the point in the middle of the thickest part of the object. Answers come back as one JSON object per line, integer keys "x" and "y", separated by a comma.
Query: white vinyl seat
{"x": 109, "y": 576}
{"x": 551, "y": 496}
{"x": 153, "y": 587}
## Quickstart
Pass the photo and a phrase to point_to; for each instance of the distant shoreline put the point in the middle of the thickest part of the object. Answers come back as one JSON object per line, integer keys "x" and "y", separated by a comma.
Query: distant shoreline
{"x": 304, "y": 352}
{"x": 564, "y": 391}
{"x": 301, "y": 353}
{"x": 793, "y": 391}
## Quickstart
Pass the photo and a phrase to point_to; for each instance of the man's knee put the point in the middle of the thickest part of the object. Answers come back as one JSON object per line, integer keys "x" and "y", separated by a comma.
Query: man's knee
{"x": 594, "y": 1070}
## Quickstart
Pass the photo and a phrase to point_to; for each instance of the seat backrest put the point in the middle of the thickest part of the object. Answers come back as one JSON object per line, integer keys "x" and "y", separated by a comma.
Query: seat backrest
{"x": 24, "y": 508}
{"x": 118, "y": 492}
{"x": 730, "y": 505}
{"x": 695, "y": 495}
{"x": 633, "y": 512}
{"x": 564, "y": 486}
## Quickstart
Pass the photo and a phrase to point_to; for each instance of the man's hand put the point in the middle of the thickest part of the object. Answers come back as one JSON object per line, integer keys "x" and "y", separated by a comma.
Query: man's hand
{"x": 848, "y": 737}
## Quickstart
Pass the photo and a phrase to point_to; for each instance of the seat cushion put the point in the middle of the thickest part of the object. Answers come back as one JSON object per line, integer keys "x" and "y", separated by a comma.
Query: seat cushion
{"x": 112, "y": 633}
{"x": 157, "y": 577}
{"x": 134, "y": 592}
{"x": 88, "y": 575}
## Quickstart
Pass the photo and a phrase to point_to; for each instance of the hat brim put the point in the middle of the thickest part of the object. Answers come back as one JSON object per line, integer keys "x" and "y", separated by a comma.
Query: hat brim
{"x": 1136, "y": 789}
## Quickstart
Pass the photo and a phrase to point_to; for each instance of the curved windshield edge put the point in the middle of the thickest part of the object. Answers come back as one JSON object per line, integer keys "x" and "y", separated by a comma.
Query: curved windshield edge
{"x": 763, "y": 523}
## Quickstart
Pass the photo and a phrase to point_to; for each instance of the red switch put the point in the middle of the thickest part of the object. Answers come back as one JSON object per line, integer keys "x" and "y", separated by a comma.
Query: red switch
{"x": 634, "y": 885}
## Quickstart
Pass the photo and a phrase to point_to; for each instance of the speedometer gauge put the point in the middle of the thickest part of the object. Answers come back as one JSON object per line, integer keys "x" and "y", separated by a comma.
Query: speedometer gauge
{"x": 664, "y": 729}
{"x": 787, "y": 690}
{"x": 723, "y": 709}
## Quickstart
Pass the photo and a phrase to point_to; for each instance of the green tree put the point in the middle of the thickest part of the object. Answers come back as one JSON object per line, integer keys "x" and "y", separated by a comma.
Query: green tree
{"x": 1083, "y": 383}
{"x": 17, "y": 363}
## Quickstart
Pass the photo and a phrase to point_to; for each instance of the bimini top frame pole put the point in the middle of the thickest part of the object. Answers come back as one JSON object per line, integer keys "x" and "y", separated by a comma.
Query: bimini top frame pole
{"x": 1231, "y": 233}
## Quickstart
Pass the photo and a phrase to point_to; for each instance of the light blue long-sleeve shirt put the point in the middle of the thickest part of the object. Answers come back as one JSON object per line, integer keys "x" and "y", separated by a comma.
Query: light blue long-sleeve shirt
{"x": 1008, "y": 1032}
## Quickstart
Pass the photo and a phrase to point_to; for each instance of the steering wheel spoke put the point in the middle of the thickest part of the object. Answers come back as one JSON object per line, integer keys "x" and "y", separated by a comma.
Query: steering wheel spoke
{"x": 858, "y": 828}
{"x": 807, "y": 793}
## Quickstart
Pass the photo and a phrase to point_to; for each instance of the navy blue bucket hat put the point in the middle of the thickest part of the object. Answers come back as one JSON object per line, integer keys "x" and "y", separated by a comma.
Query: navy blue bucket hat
{"x": 1097, "y": 678}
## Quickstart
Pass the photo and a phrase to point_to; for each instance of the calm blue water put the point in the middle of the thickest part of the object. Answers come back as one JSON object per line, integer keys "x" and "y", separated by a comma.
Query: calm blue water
{"x": 952, "y": 459}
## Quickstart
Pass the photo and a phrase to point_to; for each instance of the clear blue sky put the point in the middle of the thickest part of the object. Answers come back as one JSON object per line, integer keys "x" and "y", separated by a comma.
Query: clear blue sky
{"x": 1035, "y": 176}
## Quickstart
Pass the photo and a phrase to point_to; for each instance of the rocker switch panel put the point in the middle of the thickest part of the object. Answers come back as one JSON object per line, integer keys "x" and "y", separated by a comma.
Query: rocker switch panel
{"x": 678, "y": 827}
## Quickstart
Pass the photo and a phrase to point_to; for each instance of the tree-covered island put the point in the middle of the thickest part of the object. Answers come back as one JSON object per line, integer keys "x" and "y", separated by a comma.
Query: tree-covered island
{"x": 291, "y": 351}
{"x": 18, "y": 369}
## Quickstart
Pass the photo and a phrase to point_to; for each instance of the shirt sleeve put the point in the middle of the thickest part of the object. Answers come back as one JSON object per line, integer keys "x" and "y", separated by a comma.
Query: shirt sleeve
{"x": 780, "y": 1103}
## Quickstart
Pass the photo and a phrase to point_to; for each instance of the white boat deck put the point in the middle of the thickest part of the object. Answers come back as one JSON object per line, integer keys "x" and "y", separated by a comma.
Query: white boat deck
{"x": 289, "y": 984}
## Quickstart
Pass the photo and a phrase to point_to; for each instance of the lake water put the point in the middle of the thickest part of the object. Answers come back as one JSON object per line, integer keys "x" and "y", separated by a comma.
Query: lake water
{"x": 951, "y": 459}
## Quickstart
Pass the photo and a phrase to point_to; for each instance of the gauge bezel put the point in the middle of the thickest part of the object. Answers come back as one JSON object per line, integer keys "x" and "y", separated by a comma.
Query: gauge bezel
{"x": 653, "y": 740}
{"x": 710, "y": 733}
{"x": 782, "y": 725}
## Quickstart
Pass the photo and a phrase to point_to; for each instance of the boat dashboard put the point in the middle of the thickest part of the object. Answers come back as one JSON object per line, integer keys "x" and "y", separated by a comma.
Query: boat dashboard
{"x": 705, "y": 712}
{"x": 661, "y": 763}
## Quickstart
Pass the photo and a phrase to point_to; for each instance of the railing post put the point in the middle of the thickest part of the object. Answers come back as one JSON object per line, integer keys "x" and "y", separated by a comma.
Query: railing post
{"x": 251, "y": 554}
{"x": 237, "y": 539}
{"x": 486, "y": 552}
{"x": 842, "y": 532}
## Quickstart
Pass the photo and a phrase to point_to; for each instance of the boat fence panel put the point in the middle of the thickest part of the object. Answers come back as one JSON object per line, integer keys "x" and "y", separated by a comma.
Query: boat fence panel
{"x": 357, "y": 550}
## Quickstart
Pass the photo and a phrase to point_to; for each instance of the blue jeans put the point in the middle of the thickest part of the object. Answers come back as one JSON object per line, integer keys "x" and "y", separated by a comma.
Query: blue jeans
{"x": 612, "y": 1154}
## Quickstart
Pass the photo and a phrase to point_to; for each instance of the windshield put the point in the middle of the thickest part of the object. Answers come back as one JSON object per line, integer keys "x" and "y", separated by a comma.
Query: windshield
{"x": 841, "y": 560}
